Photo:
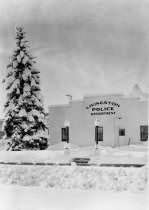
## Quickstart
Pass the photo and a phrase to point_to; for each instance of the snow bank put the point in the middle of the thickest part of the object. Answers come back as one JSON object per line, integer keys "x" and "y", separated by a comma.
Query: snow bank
{"x": 145, "y": 144}
{"x": 55, "y": 153}
{"x": 133, "y": 147}
{"x": 34, "y": 156}
{"x": 75, "y": 177}
{"x": 61, "y": 146}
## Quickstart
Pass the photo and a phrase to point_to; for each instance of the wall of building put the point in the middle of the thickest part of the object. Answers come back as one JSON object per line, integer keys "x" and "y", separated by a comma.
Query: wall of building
{"x": 57, "y": 117}
{"x": 128, "y": 113}
{"x": 108, "y": 121}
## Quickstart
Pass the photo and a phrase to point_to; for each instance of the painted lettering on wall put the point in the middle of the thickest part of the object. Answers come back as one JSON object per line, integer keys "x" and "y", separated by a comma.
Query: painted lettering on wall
{"x": 102, "y": 108}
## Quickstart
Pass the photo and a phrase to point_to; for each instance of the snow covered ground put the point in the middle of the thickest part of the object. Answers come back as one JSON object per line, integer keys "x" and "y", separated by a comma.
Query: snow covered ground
{"x": 74, "y": 187}
{"x": 76, "y": 177}
{"x": 40, "y": 198}
{"x": 134, "y": 154}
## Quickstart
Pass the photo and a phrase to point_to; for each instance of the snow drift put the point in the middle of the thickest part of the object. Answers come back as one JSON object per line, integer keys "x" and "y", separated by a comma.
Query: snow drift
{"x": 75, "y": 177}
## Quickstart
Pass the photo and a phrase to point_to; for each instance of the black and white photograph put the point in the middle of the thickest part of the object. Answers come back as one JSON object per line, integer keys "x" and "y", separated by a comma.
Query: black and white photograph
{"x": 74, "y": 89}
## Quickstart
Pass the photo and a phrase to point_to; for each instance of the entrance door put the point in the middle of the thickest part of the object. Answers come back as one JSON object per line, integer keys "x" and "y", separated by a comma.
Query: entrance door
{"x": 98, "y": 134}
{"x": 121, "y": 138}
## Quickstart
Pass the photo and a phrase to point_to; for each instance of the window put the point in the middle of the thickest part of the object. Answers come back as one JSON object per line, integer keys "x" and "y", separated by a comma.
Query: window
{"x": 121, "y": 132}
{"x": 65, "y": 134}
{"x": 98, "y": 134}
{"x": 144, "y": 132}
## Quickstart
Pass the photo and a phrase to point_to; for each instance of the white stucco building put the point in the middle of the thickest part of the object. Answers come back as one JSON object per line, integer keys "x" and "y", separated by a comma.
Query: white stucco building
{"x": 111, "y": 119}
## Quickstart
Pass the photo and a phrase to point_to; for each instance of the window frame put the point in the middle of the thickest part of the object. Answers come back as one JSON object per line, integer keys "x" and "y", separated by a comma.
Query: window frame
{"x": 143, "y": 135}
{"x": 97, "y": 136}
{"x": 122, "y": 132}
{"x": 65, "y": 134}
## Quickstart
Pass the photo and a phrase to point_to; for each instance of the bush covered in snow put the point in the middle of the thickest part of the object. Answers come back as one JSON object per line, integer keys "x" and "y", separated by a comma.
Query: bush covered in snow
{"x": 24, "y": 124}
{"x": 75, "y": 177}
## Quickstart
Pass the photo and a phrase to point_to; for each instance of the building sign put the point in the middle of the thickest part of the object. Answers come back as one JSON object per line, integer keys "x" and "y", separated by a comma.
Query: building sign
{"x": 103, "y": 108}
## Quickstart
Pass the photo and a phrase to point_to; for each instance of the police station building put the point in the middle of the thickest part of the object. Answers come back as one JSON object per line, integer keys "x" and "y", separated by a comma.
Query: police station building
{"x": 112, "y": 119}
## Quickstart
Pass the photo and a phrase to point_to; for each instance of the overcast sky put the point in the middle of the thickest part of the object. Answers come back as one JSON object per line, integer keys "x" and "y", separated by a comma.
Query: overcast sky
{"x": 82, "y": 46}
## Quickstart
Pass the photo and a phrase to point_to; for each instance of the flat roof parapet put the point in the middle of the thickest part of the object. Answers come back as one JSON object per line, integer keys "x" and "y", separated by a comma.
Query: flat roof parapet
{"x": 76, "y": 100}
{"x": 106, "y": 94}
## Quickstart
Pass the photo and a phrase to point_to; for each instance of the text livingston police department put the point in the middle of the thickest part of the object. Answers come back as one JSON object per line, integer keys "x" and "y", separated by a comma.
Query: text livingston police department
{"x": 106, "y": 110}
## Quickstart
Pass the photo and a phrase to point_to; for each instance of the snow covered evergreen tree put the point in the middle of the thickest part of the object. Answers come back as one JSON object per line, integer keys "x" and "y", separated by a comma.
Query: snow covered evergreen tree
{"x": 25, "y": 123}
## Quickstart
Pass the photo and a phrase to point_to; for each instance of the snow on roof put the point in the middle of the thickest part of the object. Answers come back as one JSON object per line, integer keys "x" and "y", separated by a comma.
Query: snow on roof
{"x": 137, "y": 92}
